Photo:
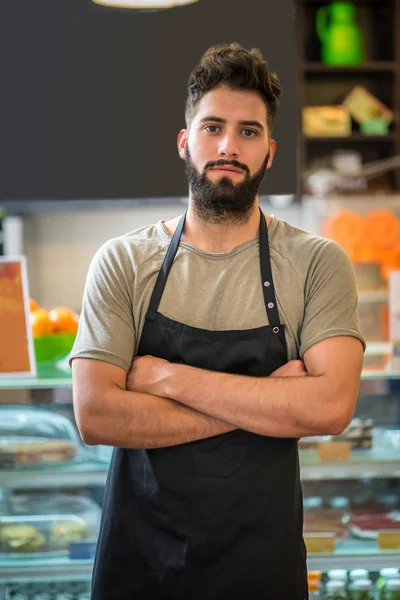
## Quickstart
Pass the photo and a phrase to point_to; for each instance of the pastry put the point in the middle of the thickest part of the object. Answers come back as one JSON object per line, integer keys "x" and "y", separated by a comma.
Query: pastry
{"x": 368, "y": 525}
{"x": 358, "y": 433}
{"x": 325, "y": 521}
{"x": 64, "y": 532}
{"x": 32, "y": 453}
{"x": 21, "y": 538}
{"x": 312, "y": 442}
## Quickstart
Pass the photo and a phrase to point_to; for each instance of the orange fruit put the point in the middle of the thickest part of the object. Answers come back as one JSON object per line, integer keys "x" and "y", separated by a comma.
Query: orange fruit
{"x": 41, "y": 323}
{"x": 390, "y": 261}
{"x": 345, "y": 227}
{"x": 33, "y": 305}
{"x": 366, "y": 253}
{"x": 64, "y": 320}
{"x": 382, "y": 228}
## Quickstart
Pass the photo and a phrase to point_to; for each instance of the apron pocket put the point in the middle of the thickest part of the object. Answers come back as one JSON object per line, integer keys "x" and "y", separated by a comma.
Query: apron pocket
{"x": 220, "y": 456}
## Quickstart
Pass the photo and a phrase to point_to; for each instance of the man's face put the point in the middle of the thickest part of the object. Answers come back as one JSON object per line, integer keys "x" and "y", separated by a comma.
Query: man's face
{"x": 226, "y": 150}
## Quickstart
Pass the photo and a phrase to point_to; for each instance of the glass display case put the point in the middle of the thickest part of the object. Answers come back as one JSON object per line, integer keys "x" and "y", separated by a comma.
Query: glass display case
{"x": 50, "y": 510}
{"x": 368, "y": 228}
{"x": 33, "y": 436}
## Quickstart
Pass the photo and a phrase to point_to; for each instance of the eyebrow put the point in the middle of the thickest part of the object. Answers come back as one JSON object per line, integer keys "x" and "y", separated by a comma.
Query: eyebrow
{"x": 219, "y": 120}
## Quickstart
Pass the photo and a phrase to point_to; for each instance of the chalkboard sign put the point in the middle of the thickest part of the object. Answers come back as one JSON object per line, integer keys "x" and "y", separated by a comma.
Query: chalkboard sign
{"x": 93, "y": 97}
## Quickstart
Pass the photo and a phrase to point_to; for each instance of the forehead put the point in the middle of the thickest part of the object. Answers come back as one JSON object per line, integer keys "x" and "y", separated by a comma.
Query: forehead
{"x": 232, "y": 105}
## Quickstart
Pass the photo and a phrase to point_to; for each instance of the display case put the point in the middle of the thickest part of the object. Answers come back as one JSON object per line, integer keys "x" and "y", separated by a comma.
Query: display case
{"x": 49, "y": 512}
{"x": 31, "y": 436}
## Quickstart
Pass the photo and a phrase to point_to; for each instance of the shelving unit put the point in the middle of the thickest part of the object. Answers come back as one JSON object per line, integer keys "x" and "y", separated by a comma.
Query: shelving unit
{"x": 319, "y": 84}
{"x": 90, "y": 472}
{"x": 355, "y": 137}
{"x": 81, "y": 570}
{"x": 350, "y": 555}
{"x": 85, "y": 474}
{"x": 356, "y": 1}
{"x": 59, "y": 569}
{"x": 94, "y": 473}
{"x": 372, "y": 66}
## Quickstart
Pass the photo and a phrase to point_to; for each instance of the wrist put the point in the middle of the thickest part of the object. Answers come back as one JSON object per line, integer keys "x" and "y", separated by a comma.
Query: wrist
{"x": 171, "y": 376}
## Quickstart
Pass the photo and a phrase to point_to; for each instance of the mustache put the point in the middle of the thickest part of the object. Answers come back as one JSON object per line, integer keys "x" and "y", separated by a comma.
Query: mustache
{"x": 221, "y": 163}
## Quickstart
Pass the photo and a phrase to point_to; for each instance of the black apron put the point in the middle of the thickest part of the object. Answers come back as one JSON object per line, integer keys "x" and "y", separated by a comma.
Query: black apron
{"x": 215, "y": 519}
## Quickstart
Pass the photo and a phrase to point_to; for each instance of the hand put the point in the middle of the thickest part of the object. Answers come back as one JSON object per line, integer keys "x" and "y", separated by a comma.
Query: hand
{"x": 293, "y": 368}
{"x": 146, "y": 375}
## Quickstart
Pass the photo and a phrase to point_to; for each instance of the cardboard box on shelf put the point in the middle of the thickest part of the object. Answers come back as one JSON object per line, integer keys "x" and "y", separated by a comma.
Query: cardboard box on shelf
{"x": 364, "y": 106}
{"x": 326, "y": 121}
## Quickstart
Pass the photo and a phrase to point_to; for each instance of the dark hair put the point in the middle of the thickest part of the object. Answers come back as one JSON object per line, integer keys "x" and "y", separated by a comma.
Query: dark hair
{"x": 232, "y": 66}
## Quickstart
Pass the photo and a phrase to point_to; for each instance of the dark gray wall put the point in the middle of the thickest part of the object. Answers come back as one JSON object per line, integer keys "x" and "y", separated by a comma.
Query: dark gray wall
{"x": 93, "y": 97}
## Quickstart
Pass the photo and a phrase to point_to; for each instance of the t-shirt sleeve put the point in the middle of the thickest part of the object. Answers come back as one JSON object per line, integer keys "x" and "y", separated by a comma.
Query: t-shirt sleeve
{"x": 331, "y": 301}
{"x": 106, "y": 326}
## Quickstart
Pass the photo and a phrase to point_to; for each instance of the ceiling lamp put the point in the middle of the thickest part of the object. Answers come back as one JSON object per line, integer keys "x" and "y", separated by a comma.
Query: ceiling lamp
{"x": 144, "y": 4}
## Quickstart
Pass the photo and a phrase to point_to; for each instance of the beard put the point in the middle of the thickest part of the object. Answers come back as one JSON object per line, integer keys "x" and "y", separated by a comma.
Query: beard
{"x": 223, "y": 201}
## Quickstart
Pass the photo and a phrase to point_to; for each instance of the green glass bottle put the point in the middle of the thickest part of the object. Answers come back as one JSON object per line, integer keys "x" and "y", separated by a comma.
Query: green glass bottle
{"x": 362, "y": 589}
{"x": 384, "y": 575}
{"x": 392, "y": 589}
{"x": 335, "y": 590}
{"x": 340, "y": 35}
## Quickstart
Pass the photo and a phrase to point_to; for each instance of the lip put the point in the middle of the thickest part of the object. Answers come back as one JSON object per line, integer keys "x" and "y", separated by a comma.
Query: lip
{"x": 226, "y": 168}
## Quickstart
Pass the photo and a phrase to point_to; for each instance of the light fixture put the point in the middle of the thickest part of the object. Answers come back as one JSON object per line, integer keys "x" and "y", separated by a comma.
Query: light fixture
{"x": 144, "y": 4}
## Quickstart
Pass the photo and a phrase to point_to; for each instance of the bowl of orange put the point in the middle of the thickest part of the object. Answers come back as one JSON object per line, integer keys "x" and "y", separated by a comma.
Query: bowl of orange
{"x": 54, "y": 331}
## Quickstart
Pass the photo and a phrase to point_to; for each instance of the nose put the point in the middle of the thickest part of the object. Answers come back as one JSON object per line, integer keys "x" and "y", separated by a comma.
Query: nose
{"x": 228, "y": 147}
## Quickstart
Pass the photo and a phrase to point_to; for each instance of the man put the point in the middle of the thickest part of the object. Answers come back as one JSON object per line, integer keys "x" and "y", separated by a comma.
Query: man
{"x": 207, "y": 346}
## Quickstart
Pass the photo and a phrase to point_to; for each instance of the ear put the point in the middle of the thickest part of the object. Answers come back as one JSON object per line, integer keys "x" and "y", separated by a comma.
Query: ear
{"x": 272, "y": 150}
{"x": 182, "y": 139}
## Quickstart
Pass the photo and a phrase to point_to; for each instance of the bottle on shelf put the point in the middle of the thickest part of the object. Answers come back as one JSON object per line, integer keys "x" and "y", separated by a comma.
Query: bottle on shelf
{"x": 384, "y": 576}
{"x": 314, "y": 590}
{"x": 316, "y": 575}
{"x": 335, "y": 589}
{"x": 337, "y": 575}
{"x": 362, "y": 589}
{"x": 358, "y": 574}
{"x": 392, "y": 591}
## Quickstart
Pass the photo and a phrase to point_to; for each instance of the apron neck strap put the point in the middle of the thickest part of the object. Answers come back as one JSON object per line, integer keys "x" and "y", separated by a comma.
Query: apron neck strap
{"x": 265, "y": 264}
{"x": 166, "y": 266}
{"x": 266, "y": 275}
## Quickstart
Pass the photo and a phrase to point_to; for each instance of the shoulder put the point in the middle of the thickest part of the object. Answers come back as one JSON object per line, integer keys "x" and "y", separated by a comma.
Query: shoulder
{"x": 304, "y": 251}
{"x": 126, "y": 253}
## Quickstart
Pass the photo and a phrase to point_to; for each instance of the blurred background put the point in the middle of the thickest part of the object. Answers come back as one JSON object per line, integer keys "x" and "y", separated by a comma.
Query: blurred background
{"x": 93, "y": 97}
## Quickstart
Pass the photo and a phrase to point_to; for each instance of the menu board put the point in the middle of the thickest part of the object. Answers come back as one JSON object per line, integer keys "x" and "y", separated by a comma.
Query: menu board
{"x": 17, "y": 357}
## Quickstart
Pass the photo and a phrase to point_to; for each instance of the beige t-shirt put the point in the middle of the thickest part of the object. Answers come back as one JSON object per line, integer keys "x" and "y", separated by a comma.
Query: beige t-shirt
{"x": 313, "y": 277}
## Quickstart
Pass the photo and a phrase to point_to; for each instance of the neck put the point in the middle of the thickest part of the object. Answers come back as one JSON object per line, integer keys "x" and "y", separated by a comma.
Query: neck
{"x": 217, "y": 237}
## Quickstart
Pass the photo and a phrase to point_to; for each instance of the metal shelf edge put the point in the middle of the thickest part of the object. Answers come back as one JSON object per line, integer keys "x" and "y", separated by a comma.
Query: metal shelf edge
{"x": 82, "y": 570}
{"x": 79, "y": 570}
{"x": 52, "y": 479}
{"x": 373, "y": 562}
{"x": 336, "y": 471}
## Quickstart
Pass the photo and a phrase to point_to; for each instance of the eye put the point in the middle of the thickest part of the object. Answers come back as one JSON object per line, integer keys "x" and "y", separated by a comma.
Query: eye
{"x": 251, "y": 132}
{"x": 214, "y": 127}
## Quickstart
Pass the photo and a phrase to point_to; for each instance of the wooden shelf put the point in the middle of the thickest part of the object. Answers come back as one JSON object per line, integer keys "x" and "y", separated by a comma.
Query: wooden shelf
{"x": 355, "y": 137}
{"x": 321, "y": 85}
{"x": 372, "y": 66}
{"x": 388, "y": 2}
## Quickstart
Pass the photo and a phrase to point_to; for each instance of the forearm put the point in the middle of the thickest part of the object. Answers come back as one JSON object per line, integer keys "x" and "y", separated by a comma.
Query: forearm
{"x": 134, "y": 420}
{"x": 273, "y": 406}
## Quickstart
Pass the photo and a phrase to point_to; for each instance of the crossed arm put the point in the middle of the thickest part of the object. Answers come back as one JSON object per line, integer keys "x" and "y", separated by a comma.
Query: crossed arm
{"x": 161, "y": 404}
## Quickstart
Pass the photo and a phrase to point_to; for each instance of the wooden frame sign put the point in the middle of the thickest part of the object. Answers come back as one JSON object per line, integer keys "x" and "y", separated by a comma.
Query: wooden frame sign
{"x": 17, "y": 356}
